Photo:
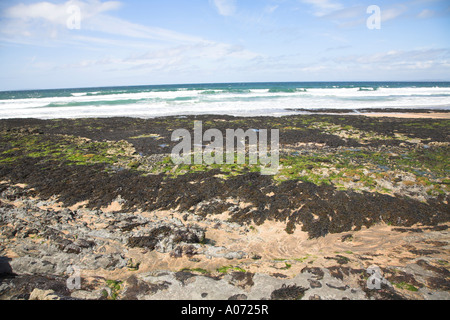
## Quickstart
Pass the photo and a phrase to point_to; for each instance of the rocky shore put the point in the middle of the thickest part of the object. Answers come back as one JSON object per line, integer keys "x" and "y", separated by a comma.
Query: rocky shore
{"x": 94, "y": 209}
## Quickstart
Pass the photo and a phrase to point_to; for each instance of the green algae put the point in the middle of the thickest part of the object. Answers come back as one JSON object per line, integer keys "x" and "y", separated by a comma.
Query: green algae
{"x": 406, "y": 286}
{"x": 359, "y": 168}
{"x": 195, "y": 270}
{"x": 64, "y": 149}
{"x": 226, "y": 269}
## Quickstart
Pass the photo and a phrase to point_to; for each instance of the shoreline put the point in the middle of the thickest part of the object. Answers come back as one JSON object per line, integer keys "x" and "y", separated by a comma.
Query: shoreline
{"x": 393, "y": 113}
{"x": 376, "y": 112}
{"x": 435, "y": 115}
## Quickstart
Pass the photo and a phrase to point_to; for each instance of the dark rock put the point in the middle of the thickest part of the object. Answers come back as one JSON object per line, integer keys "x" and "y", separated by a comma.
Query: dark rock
{"x": 436, "y": 243}
{"x": 317, "y": 272}
{"x": 166, "y": 237}
{"x": 341, "y": 288}
{"x": 177, "y": 252}
{"x": 384, "y": 294}
{"x": 339, "y": 259}
{"x": 238, "y": 297}
{"x": 189, "y": 250}
{"x": 397, "y": 276}
{"x": 135, "y": 288}
{"x": 85, "y": 244}
{"x": 415, "y": 230}
{"x": 438, "y": 283}
{"x": 314, "y": 284}
{"x": 131, "y": 226}
{"x": 184, "y": 277}
{"x": 338, "y": 272}
{"x": 5, "y": 267}
{"x": 72, "y": 248}
{"x": 20, "y": 287}
{"x": 279, "y": 275}
{"x": 347, "y": 237}
{"x": 255, "y": 256}
{"x": 154, "y": 288}
{"x": 243, "y": 280}
{"x": 142, "y": 242}
{"x": 439, "y": 270}
{"x": 291, "y": 292}
{"x": 420, "y": 252}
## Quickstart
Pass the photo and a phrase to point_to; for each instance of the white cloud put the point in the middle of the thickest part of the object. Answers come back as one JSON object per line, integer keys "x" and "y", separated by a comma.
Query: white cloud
{"x": 111, "y": 43}
{"x": 426, "y": 13}
{"x": 116, "y": 26}
{"x": 271, "y": 9}
{"x": 58, "y": 13}
{"x": 323, "y": 7}
{"x": 47, "y": 20}
{"x": 314, "y": 68}
{"x": 181, "y": 56}
{"x": 357, "y": 15}
{"x": 392, "y": 13}
{"x": 397, "y": 59}
{"x": 225, "y": 7}
{"x": 347, "y": 13}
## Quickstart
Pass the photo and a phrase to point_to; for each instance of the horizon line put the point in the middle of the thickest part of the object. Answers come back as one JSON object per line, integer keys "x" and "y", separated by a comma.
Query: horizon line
{"x": 224, "y": 83}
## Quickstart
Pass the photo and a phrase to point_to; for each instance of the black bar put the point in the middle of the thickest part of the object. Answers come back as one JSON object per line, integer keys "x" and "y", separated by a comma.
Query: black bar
{"x": 263, "y": 309}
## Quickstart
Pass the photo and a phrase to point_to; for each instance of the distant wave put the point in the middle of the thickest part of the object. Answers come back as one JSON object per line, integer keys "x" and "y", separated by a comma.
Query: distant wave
{"x": 368, "y": 89}
{"x": 110, "y": 102}
{"x": 286, "y": 90}
{"x": 90, "y": 103}
{"x": 224, "y": 91}
{"x": 233, "y": 99}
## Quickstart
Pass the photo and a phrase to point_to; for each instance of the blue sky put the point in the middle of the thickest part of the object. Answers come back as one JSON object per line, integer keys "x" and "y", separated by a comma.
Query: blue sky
{"x": 139, "y": 42}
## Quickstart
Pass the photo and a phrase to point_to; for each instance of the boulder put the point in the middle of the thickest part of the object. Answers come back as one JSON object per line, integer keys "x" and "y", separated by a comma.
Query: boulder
{"x": 38, "y": 294}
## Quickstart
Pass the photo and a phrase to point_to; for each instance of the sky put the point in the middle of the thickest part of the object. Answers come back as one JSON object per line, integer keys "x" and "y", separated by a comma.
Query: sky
{"x": 93, "y": 43}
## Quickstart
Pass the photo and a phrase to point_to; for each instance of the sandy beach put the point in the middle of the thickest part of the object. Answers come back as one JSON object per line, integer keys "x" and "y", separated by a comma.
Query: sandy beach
{"x": 434, "y": 115}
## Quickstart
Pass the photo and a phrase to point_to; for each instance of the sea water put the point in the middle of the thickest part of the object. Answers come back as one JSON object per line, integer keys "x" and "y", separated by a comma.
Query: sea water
{"x": 239, "y": 99}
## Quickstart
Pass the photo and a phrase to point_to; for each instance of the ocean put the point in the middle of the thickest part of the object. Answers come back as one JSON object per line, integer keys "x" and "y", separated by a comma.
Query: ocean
{"x": 239, "y": 99}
